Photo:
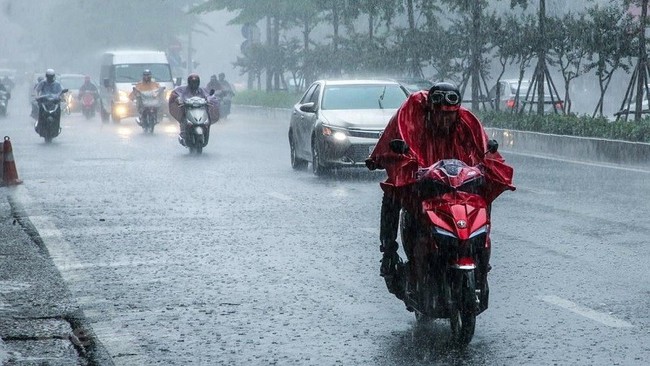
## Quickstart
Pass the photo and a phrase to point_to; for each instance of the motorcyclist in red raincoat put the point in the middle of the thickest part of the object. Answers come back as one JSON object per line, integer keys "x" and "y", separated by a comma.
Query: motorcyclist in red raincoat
{"x": 435, "y": 126}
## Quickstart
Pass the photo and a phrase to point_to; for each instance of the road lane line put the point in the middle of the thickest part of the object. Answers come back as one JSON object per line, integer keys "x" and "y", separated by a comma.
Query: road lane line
{"x": 117, "y": 343}
{"x": 279, "y": 196}
{"x": 602, "y": 318}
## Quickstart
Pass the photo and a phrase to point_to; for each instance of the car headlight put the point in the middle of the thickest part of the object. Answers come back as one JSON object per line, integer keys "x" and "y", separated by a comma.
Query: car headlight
{"x": 168, "y": 93}
{"x": 335, "y": 134}
{"x": 123, "y": 96}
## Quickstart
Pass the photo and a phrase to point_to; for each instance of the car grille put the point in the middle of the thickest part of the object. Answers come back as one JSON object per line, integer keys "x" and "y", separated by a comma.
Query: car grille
{"x": 358, "y": 153}
{"x": 357, "y": 132}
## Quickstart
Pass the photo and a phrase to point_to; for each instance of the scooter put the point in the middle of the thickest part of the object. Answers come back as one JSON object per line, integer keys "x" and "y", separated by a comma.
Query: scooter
{"x": 197, "y": 122}
{"x": 149, "y": 103}
{"x": 444, "y": 227}
{"x": 226, "y": 102}
{"x": 48, "y": 125}
{"x": 88, "y": 104}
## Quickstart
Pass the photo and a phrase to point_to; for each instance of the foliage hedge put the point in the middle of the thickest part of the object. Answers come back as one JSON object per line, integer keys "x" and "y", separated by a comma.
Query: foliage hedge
{"x": 573, "y": 125}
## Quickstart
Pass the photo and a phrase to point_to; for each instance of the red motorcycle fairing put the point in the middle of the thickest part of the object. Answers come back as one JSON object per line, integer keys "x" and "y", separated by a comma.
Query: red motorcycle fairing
{"x": 461, "y": 214}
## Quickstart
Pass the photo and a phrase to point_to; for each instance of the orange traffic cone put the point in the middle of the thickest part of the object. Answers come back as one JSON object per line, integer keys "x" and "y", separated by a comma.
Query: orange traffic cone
{"x": 9, "y": 173}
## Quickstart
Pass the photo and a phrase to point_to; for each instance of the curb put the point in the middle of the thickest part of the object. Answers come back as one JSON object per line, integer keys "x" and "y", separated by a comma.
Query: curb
{"x": 83, "y": 337}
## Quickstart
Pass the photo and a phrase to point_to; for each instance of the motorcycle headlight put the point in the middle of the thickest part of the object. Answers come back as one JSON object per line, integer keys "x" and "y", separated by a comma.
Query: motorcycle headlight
{"x": 168, "y": 93}
{"x": 123, "y": 96}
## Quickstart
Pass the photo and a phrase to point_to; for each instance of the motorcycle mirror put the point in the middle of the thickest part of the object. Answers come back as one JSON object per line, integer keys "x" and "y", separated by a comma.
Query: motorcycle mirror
{"x": 64, "y": 91}
{"x": 398, "y": 146}
{"x": 492, "y": 146}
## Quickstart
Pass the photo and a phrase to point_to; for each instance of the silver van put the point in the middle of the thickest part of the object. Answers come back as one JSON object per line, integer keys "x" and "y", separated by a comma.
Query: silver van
{"x": 120, "y": 71}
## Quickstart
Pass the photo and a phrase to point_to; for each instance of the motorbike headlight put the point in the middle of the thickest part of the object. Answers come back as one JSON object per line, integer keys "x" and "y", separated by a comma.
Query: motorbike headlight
{"x": 123, "y": 96}
{"x": 168, "y": 93}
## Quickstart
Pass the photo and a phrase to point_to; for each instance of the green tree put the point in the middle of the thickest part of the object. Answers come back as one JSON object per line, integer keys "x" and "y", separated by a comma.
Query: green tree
{"x": 568, "y": 49}
{"x": 609, "y": 46}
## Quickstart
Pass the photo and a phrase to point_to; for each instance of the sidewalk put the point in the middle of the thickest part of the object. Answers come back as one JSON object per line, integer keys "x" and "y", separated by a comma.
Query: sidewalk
{"x": 39, "y": 322}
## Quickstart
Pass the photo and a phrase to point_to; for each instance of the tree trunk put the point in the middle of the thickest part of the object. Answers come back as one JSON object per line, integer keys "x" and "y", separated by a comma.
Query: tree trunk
{"x": 475, "y": 57}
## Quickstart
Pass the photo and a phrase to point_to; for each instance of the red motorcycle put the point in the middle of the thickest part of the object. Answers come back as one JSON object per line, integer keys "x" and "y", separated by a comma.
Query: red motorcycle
{"x": 88, "y": 104}
{"x": 444, "y": 227}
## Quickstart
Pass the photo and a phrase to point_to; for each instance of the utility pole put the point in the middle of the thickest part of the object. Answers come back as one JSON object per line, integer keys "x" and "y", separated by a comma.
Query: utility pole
{"x": 189, "y": 52}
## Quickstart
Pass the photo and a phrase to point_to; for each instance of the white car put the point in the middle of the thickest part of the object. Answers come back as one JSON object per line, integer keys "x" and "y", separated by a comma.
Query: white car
{"x": 507, "y": 97}
{"x": 337, "y": 123}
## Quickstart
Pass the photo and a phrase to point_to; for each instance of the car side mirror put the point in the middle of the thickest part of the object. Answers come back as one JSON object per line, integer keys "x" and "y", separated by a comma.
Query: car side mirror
{"x": 107, "y": 83}
{"x": 492, "y": 146}
{"x": 398, "y": 146}
{"x": 212, "y": 92}
{"x": 308, "y": 107}
{"x": 178, "y": 81}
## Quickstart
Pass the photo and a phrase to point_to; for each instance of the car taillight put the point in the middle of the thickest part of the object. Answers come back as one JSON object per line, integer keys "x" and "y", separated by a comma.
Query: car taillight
{"x": 559, "y": 105}
{"x": 510, "y": 103}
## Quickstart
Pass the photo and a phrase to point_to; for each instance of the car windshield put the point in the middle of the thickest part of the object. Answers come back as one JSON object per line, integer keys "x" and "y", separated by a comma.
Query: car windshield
{"x": 373, "y": 96}
{"x": 523, "y": 89}
{"x": 132, "y": 73}
{"x": 71, "y": 81}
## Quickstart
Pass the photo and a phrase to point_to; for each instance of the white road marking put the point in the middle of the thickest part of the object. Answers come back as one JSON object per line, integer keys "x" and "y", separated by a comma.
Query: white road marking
{"x": 605, "y": 319}
{"x": 600, "y": 165}
{"x": 118, "y": 343}
{"x": 279, "y": 196}
{"x": 371, "y": 230}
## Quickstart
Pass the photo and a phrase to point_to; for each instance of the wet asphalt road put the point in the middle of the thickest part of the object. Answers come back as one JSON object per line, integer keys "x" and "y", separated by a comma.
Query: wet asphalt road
{"x": 232, "y": 258}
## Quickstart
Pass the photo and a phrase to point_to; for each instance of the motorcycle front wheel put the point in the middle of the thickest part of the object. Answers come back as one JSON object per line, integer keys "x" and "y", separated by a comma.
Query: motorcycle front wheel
{"x": 462, "y": 312}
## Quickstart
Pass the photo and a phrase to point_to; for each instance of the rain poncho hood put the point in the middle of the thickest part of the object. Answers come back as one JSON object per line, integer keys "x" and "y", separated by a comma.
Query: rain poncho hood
{"x": 467, "y": 141}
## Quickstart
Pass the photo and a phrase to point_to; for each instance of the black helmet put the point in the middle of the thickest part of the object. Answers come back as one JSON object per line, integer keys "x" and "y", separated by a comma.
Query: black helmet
{"x": 146, "y": 75}
{"x": 444, "y": 96}
{"x": 193, "y": 82}
{"x": 49, "y": 75}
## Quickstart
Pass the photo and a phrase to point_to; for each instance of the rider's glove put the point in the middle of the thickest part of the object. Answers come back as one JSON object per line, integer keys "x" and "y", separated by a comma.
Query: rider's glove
{"x": 371, "y": 164}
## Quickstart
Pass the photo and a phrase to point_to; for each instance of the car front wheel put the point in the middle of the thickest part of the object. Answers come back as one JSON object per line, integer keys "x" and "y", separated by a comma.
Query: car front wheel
{"x": 318, "y": 168}
{"x": 296, "y": 162}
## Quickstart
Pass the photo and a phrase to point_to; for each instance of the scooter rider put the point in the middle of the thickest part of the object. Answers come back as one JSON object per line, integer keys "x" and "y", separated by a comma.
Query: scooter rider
{"x": 88, "y": 86}
{"x": 182, "y": 93}
{"x": 213, "y": 84}
{"x": 435, "y": 127}
{"x": 47, "y": 86}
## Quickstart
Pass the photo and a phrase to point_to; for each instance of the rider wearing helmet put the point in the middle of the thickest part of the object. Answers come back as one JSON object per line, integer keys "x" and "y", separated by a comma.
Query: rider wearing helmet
{"x": 213, "y": 84}
{"x": 89, "y": 86}
{"x": 435, "y": 126}
{"x": 47, "y": 86}
{"x": 192, "y": 89}
{"x": 147, "y": 84}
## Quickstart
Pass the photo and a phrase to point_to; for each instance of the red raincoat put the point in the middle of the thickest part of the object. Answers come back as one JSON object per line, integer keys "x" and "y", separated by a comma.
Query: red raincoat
{"x": 467, "y": 142}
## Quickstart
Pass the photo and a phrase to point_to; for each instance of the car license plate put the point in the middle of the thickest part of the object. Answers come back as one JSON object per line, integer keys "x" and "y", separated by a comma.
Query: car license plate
{"x": 370, "y": 148}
